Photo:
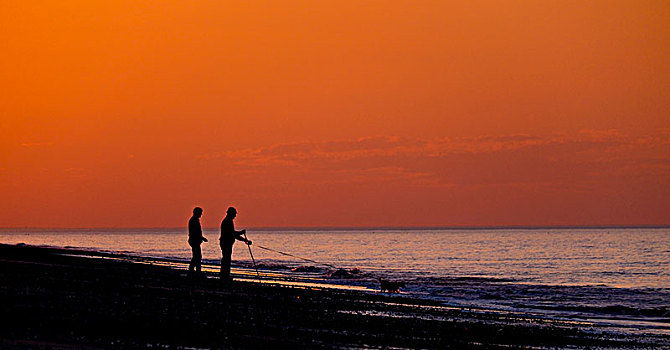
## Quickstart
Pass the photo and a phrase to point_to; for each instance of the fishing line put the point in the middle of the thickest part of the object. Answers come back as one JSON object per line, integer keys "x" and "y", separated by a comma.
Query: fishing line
{"x": 298, "y": 257}
{"x": 369, "y": 274}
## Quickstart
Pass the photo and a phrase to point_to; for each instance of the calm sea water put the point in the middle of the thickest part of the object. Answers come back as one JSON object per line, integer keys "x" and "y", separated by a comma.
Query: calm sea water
{"x": 618, "y": 275}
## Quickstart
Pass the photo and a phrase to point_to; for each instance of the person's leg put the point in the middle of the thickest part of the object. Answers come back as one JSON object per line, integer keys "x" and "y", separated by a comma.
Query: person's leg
{"x": 197, "y": 256}
{"x": 191, "y": 264}
{"x": 225, "y": 263}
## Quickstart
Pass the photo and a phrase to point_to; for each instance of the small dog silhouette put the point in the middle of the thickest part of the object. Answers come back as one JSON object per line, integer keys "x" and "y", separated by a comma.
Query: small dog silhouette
{"x": 389, "y": 286}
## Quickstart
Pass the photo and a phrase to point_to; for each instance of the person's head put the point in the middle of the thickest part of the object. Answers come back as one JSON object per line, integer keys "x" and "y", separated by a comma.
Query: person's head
{"x": 231, "y": 212}
{"x": 197, "y": 212}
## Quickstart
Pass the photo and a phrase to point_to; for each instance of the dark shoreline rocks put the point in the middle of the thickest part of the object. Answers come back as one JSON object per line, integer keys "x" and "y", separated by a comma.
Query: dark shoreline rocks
{"x": 65, "y": 299}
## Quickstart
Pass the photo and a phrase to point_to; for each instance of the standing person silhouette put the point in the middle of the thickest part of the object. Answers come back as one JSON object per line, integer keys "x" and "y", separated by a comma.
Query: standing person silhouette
{"x": 228, "y": 237}
{"x": 195, "y": 238}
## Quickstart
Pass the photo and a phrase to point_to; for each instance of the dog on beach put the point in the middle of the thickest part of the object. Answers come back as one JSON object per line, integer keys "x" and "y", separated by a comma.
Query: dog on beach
{"x": 389, "y": 286}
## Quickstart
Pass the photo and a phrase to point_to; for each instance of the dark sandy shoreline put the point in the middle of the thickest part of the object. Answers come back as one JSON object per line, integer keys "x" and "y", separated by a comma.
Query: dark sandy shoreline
{"x": 64, "y": 299}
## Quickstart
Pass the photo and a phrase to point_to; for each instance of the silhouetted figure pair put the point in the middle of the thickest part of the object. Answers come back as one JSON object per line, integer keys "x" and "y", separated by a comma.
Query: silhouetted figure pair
{"x": 227, "y": 239}
{"x": 195, "y": 239}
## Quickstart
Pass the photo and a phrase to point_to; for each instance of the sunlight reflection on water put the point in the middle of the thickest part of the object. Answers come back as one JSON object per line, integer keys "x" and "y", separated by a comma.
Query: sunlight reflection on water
{"x": 615, "y": 257}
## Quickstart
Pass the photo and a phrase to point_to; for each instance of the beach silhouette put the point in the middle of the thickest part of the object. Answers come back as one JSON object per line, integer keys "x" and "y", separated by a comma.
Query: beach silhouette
{"x": 65, "y": 298}
{"x": 228, "y": 237}
{"x": 195, "y": 239}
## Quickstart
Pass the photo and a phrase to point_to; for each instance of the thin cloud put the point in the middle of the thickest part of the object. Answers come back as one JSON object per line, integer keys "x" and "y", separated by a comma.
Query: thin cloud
{"x": 36, "y": 144}
{"x": 574, "y": 159}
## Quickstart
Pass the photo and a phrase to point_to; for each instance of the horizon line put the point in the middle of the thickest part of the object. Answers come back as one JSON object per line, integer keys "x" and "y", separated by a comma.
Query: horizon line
{"x": 349, "y": 228}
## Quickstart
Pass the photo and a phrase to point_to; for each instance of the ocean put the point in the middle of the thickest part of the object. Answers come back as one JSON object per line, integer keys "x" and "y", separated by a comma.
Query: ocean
{"x": 617, "y": 277}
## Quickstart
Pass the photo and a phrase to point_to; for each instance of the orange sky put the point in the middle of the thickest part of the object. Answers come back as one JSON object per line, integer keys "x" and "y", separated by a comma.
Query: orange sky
{"x": 334, "y": 113}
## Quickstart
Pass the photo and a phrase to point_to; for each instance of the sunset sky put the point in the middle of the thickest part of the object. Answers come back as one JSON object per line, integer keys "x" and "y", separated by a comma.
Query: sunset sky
{"x": 334, "y": 113}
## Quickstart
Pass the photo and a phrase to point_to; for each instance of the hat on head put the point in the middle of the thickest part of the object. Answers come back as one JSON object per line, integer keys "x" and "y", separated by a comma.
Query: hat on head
{"x": 231, "y": 210}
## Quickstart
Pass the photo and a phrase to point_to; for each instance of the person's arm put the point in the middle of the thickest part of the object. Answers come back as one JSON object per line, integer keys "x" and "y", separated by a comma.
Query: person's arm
{"x": 238, "y": 236}
{"x": 202, "y": 238}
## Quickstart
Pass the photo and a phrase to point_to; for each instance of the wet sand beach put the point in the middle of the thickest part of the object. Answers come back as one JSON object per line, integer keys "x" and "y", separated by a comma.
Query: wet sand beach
{"x": 69, "y": 299}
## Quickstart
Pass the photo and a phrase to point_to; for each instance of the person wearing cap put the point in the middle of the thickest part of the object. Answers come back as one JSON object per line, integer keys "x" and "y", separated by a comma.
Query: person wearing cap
{"x": 228, "y": 237}
{"x": 195, "y": 239}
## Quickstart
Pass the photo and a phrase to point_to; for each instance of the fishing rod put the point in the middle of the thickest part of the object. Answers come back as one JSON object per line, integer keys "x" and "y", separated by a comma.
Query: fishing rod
{"x": 252, "y": 257}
